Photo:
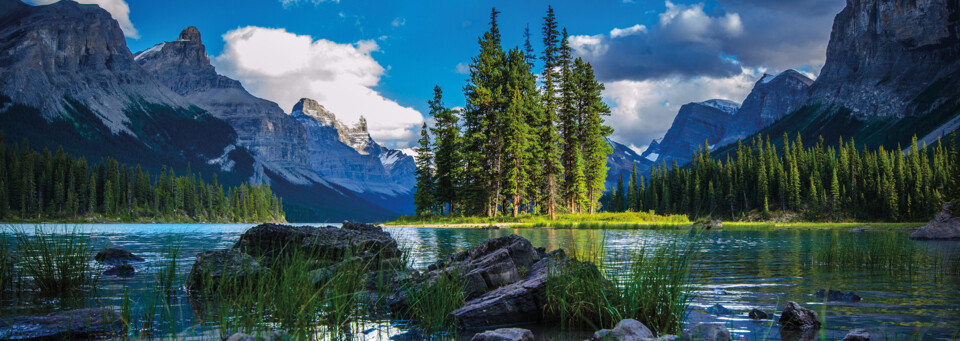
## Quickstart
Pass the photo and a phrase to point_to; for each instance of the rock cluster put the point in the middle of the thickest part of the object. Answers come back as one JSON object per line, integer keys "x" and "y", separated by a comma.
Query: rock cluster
{"x": 77, "y": 324}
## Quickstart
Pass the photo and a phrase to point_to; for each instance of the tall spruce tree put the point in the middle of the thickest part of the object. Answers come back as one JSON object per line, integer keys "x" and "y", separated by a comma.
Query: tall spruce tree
{"x": 447, "y": 156}
{"x": 549, "y": 138}
{"x": 423, "y": 199}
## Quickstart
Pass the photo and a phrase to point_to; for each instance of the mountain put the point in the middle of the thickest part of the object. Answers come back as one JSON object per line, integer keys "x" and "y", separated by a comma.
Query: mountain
{"x": 892, "y": 72}
{"x": 351, "y": 158}
{"x": 68, "y": 79}
{"x": 621, "y": 162}
{"x": 695, "y": 124}
{"x": 277, "y": 139}
{"x": 771, "y": 98}
{"x": 720, "y": 122}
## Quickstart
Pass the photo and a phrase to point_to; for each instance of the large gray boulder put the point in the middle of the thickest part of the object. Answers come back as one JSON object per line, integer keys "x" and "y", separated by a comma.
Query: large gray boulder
{"x": 519, "y": 303}
{"x": 504, "y": 334}
{"x": 90, "y": 323}
{"x": 795, "y": 316}
{"x": 944, "y": 226}
{"x": 268, "y": 242}
{"x": 706, "y": 332}
{"x": 489, "y": 265}
{"x": 857, "y": 335}
{"x": 630, "y": 330}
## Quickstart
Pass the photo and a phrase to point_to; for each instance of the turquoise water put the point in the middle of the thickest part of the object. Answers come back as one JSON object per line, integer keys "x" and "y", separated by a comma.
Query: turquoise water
{"x": 737, "y": 269}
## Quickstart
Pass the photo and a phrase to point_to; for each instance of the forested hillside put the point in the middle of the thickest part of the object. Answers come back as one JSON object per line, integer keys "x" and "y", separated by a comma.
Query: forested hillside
{"x": 818, "y": 182}
{"x": 45, "y": 186}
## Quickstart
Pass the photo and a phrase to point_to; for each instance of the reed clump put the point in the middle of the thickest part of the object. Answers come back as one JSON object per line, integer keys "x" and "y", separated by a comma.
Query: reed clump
{"x": 57, "y": 261}
{"x": 430, "y": 303}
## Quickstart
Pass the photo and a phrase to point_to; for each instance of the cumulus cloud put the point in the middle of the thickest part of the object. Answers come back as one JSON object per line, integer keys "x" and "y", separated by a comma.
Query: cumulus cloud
{"x": 399, "y": 21}
{"x": 644, "y": 110}
{"x": 284, "y": 67}
{"x": 118, "y": 9}
{"x": 691, "y": 55}
{"x": 462, "y": 68}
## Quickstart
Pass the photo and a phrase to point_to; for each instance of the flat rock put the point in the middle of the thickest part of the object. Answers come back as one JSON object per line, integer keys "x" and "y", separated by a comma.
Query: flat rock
{"x": 113, "y": 256}
{"x": 90, "y": 323}
{"x": 504, "y": 334}
{"x": 706, "y": 332}
{"x": 944, "y": 226}
{"x": 271, "y": 241}
{"x": 796, "y": 317}
{"x": 125, "y": 271}
{"x": 840, "y": 296}
{"x": 857, "y": 335}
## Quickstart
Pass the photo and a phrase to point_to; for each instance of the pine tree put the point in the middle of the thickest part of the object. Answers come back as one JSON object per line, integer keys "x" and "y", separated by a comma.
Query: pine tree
{"x": 424, "y": 196}
{"x": 446, "y": 134}
{"x": 632, "y": 191}
{"x": 549, "y": 138}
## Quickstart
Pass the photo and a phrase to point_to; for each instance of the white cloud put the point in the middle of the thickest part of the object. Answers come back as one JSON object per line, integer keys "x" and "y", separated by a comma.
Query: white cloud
{"x": 288, "y": 3}
{"x": 644, "y": 110}
{"x": 284, "y": 67}
{"x": 118, "y": 9}
{"x": 462, "y": 68}
{"x": 399, "y": 21}
{"x": 623, "y": 32}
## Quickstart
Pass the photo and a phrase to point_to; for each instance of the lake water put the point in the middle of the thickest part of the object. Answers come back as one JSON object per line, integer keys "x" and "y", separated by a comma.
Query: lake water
{"x": 739, "y": 270}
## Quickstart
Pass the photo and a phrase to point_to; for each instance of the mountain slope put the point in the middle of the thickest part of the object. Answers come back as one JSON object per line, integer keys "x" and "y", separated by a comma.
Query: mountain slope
{"x": 695, "y": 124}
{"x": 621, "y": 162}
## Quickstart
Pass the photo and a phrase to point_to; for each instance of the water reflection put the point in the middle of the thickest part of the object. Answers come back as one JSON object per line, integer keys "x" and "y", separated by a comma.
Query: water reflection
{"x": 739, "y": 270}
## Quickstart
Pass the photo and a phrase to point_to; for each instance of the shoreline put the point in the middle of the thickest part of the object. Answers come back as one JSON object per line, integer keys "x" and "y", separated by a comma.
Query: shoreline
{"x": 770, "y": 226}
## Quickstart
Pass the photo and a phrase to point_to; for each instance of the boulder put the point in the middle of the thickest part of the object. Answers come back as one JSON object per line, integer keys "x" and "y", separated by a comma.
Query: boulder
{"x": 857, "y": 335}
{"x": 124, "y": 271}
{"x": 630, "y": 330}
{"x": 706, "y": 332}
{"x": 90, "y": 323}
{"x": 489, "y": 265}
{"x": 514, "y": 304}
{"x": 212, "y": 266}
{"x": 114, "y": 256}
{"x": 718, "y": 309}
{"x": 504, "y": 334}
{"x": 796, "y": 317}
{"x": 758, "y": 314}
{"x": 269, "y": 242}
{"x": 603, "y": 335}
{"x": 944, "y": 226}
{"x": 833, "y": 295}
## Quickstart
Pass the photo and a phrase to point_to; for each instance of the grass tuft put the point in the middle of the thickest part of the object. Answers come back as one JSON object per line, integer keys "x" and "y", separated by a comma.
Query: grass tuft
{"x": 431, "y": 303}
{"x": 57, "y": 261}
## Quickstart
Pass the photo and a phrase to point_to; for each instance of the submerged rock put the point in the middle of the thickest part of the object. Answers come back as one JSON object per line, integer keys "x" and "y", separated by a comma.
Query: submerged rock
{"x": 796, "y": 317}
{"x": 718, "y": 309}
{"x": 758, "y": 314}
{"x": 857, "y": 335}
{"x": 944, "y": 226}
{"x": 124, "y": 271}
{"x": 213, "y": 266}
{"x": 519, "y": 303}
{"x": 504, "y": 334}
{"x": 706, "y": 332}
{"x": 90, "y": 323}
{"x": 833, "y": 295}
{"x": 114, "y": 256}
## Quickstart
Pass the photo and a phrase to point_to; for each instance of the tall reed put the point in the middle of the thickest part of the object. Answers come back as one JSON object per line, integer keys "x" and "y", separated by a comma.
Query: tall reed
{"x": 431, "y": 303}
{"x": 656, "y": 286}
{"x": 6, "y": 265}
{"x": 57, "y": 261}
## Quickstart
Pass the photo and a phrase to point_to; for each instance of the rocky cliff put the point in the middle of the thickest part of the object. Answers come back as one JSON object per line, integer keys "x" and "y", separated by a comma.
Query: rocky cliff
{"x": 350, "y": 157}
{"x": 772, "y": 98}
{"x": 883, "y": 54}
{"x": 276, "y": 139}
{"x": 696, "y": 124}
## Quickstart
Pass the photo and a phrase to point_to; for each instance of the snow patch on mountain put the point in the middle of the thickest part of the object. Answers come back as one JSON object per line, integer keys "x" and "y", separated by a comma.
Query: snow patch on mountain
{"x": 729, "y": 107}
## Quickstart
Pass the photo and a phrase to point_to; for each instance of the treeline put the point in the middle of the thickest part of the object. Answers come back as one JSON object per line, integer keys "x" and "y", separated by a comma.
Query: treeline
{"x": 817, "y": 183}
{"x": 38, "y": 186}
{"x": 517, "y": 146}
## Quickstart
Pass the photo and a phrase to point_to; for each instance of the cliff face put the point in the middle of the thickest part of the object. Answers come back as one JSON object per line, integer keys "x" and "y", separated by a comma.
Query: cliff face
{"x": 884, "y": 53}
{"x": 277, "y": 139}
{"x": 772, "y": 98}
{"x": 349, "y": 157}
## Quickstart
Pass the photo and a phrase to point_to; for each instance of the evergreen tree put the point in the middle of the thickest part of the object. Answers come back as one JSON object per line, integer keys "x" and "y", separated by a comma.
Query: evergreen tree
{"x": 446, "y": 134}
{"x": 424, "y": 197}
{"x": 549, "y": 138}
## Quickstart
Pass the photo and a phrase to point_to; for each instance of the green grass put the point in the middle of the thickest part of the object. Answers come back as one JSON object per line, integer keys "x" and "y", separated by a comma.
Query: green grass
{"x": 539, "y": 220}
{"x": 430, "y": 304}
{"x": 818, "y": 225}
{"x": 6, "y": 265}
{"x": 56, "y": 260}
{"x": 886, "y": 251}
{"x": 652, "y": 287}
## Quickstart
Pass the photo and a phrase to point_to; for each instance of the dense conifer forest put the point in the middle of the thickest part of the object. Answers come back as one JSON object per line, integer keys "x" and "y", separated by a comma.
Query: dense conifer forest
{"x": 816, "y": 183}
{"x": 45, "y": 186}
{"x": 519, "y": 145}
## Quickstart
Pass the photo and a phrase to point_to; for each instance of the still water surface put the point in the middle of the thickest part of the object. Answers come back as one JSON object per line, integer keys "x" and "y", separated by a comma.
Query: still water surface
{"x": 739, "y": 270}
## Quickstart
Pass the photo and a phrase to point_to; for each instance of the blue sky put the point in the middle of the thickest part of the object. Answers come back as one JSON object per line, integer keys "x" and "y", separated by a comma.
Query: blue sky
{"x": 653, "y": 56}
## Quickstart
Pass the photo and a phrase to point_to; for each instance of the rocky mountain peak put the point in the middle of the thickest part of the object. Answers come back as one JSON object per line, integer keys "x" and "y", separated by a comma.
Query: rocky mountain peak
{"x": 190, "y": 34}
